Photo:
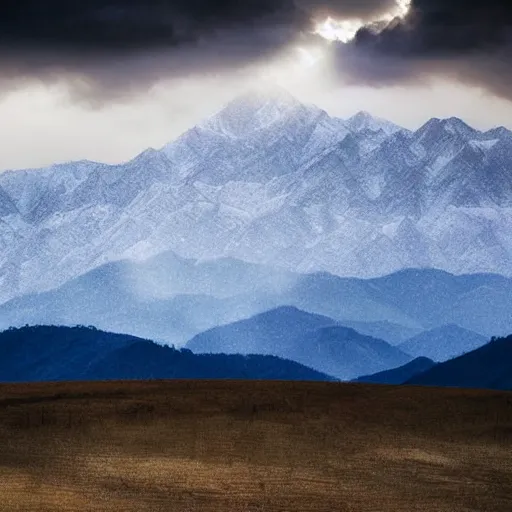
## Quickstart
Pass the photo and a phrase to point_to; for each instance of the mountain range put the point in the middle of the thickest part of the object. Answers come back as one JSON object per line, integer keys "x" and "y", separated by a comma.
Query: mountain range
{"x": 315, "y": 340}
{"x": 272, "y": 181}
{"x": 171, "y": 299}
{"x": 54, "y": 353}
{"x": 487, "y": 367}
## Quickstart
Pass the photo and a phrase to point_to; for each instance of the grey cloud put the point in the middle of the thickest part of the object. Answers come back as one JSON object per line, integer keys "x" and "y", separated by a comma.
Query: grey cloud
{"x": 468, "y": 40}
{"x": 110, "y": 49}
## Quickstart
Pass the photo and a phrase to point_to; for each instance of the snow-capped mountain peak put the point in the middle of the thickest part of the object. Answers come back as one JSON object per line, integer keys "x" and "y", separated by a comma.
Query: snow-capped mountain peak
{"x": 363, "y": 121}
{"x": 499, "y": 132}
{"x": 438, "y": 128}
{"x": 271, "y": 180}
{"x": 456, "y": 125}
{"x": 252, "y": 111}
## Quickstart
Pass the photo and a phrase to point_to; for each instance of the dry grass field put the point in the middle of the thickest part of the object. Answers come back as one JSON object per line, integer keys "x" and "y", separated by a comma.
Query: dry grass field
{"x": 253, "y": 446}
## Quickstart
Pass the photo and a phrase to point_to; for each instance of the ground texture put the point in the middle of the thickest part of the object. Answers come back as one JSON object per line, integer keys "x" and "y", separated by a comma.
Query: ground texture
{"x": 253, "y": 446}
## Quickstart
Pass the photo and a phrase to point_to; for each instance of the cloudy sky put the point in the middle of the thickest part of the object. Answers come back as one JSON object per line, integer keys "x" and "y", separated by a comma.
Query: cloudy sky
{"x": 105, "y": 79}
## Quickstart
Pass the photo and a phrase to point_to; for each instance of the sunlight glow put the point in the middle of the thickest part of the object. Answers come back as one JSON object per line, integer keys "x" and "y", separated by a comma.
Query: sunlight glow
{"x": 295, "y": 65}
{"x": 345, "y": 30}
{"x": 334, "y": 30}
{"x": 309, "y": 56}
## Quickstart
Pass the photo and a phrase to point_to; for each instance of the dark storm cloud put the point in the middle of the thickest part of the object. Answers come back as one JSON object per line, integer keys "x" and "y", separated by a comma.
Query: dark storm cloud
{"x": 470, "y": 40}
{"x": 111, "y": 48}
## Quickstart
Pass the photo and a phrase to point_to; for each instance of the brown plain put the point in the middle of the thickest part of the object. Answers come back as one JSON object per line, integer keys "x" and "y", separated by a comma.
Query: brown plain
{"x": 253, "y": 446}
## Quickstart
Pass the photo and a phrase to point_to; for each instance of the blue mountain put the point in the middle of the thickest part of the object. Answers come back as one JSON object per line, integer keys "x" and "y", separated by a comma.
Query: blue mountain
{"x": 50, "y": 353}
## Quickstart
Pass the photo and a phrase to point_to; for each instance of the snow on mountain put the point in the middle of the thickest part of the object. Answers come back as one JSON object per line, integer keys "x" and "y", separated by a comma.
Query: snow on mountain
{"x": 500, "y": 132}
{"x": 270, "y": 180}
{"x": 484, "y": 144}
{"x": 363, "y": 121}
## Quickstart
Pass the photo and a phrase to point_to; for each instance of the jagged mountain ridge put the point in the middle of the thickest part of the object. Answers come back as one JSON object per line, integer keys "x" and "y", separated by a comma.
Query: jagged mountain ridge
{"x": 272, "y": 181}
